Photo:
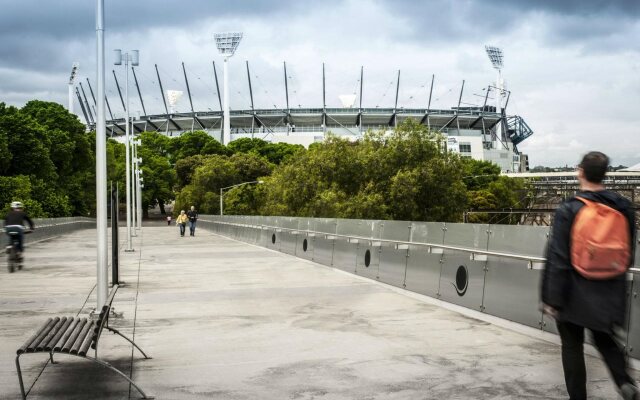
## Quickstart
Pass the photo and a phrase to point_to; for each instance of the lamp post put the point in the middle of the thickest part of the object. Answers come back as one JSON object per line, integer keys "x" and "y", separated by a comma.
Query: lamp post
{"x": 102, "y": 277}
{"x": 231, "y": 187}
{"x": 227, "y": 44}
{"x": 132, "y": 58}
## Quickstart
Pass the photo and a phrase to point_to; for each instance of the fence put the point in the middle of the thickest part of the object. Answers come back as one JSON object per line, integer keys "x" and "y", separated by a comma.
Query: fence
{"x": 50, "y": 227}
{"x": 494, "y": 269}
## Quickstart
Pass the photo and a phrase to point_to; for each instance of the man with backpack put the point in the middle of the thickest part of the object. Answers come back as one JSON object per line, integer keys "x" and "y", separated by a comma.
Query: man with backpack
{"x": 584, "y": 283}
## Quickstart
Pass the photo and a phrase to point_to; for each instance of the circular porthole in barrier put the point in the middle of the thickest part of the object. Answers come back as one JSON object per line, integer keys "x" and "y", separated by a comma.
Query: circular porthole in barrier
{"x": 304, "y": 245}
{"x": 367, "y": 258}
{"x": 462, "y": 280}
{"x": 273, "y": 238}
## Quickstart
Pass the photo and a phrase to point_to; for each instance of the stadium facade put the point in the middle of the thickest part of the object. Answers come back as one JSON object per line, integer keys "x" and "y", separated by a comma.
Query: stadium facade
{"x": 483, "y": 132}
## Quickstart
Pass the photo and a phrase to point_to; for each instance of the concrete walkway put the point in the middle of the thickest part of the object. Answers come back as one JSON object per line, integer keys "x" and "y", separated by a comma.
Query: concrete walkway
{"x": 226, "y": 320}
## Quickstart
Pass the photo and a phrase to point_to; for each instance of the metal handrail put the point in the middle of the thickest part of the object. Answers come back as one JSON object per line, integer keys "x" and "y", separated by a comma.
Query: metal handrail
{"x": 531, "y": 259}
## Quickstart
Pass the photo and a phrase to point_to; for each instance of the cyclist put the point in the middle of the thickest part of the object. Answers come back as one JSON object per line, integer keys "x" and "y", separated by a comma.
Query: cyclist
{"x": 13, "y": 222}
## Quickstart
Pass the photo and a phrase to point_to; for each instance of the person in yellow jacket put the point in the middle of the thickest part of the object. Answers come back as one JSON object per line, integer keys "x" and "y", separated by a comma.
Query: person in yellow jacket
{"x": 181, "y": 221}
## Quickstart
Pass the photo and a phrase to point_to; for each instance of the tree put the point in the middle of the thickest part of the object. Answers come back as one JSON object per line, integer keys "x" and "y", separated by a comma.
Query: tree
{"x": 192, "y": 143}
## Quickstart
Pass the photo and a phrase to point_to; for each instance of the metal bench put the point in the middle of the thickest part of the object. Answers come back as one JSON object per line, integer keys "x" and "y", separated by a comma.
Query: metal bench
{"x": 74, "y": 336}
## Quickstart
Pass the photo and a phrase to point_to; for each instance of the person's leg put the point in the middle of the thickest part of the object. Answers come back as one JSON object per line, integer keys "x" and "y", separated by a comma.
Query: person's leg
{"x": 613, "y": 356}
{"x": 193, "y": 228}
{"x": 20, "y": 241}
{"x": 575, "y": 374}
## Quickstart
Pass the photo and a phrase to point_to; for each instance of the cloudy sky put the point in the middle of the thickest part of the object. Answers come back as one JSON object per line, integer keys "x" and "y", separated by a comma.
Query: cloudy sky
{"x": 573, "y": 66}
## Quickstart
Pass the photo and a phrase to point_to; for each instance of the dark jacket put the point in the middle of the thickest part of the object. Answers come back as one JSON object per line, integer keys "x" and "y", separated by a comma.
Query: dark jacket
{"x": 17, "y": 218}
{"x": 192, "y": 215}
{"x": 596, "y": 304}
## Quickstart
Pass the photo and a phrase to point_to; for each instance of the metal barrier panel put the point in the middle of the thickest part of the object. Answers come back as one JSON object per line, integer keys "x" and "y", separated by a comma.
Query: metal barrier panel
{"x": 323, "y": 241}
{"x": 304, "y": 246}
{"x": 423, "y": 266}
{"x": 393, "y": 258}
{"x": 512, "y": 286}
{"x": 462, "y": 279}
{"x": 368, "y": 259}
{"x": 288, "y": 236}
{"x": 345, "y": 250}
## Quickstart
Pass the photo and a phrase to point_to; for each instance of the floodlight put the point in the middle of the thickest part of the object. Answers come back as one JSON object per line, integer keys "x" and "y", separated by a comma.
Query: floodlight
{"x": 495, "y": 55}
{"x": 174, "y": 96}
{"x": 118, "y": 55}
{"x": 135, "y": 57}
{"x": 74, "y": 72}
{"x": 227, "y": 42}
{"x": 347, "y": 100}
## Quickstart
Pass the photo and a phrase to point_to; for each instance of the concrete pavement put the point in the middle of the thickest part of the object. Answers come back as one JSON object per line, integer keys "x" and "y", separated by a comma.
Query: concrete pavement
{"x": 226, "y": 320}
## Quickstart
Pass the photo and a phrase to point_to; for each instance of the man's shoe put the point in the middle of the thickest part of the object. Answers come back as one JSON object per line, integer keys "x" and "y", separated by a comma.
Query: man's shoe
{"x": 629, "y": 392}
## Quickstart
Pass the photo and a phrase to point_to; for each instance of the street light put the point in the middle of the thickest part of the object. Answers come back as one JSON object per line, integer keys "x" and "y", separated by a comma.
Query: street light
{"x": 132, "y": 58}
{"x": 227, "y": 44}
{"x": 231, "y": 187}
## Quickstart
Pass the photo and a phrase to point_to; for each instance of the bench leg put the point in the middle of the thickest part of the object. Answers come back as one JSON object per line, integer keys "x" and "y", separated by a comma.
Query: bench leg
{"x": 114, "y": 369}
{"x": 24, "y": 395}
{"x": 128, "y": 340}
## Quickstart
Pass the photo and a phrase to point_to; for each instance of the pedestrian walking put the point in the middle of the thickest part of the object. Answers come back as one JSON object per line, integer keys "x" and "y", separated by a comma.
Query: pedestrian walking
{"x": 193, "y": 218}
{"x": 584, "y": 282}
{"x": 168, "y": 220}
{"x": 181, "y": 221}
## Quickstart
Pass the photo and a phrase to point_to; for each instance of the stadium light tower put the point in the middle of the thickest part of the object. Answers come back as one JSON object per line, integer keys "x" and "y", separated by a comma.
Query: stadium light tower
{"x": 72, "y": 78}
{"x": 496, "y": 58}
{"x": 132, "y": 58}
{"x": 227, "y": 44}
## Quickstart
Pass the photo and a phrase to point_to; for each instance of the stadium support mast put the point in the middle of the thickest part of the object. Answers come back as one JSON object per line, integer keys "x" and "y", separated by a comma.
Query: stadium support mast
{"x": 253, "y": 110}
{"x": 496, "y": 58}
{"x": 324, "y": 103}
{"x": 227, "y": 44}
{"x": 72, "y": 78}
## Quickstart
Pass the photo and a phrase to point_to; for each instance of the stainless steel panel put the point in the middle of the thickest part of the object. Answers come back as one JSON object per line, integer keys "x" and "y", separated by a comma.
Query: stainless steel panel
{"x": 368, "y": 260}
{"x": 288, "y": 242}
{"x": 472, "y": 236}
{"x": 633, "y": 340}
{"x": 345, "y": 255}
{"x": 519, "y": 239}
{"x": 512, "y": 291}
{"x": 304, "y": 247}
{"x": 359, "y": 228}
{"x": 322, "y": 250}
{"x": 273, "y": 241}
{"x": 427, "y": 232}
{"x": 462, "y": 280}
{"x": 423, "y": 271}
{"x": 393, "y": 261}
{"x": 511, "y": 288}
{"x": 326, "y": 225}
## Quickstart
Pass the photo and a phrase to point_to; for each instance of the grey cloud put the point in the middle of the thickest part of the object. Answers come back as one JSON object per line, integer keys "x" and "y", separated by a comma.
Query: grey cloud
{"x": 565, "y": 22}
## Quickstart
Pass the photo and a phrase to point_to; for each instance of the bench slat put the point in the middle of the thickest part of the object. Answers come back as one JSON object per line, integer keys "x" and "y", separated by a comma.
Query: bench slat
{"x": 63, "y": 329}
{"x": 87, "y": 343}
{"x": 86, "y": 331}
{"x": 74, "y": 335}
{"x": 43, "y": 333}
{"x": 51, "y": 334}
{"x": 66, "y": 335}
{"x": 33, "y": 337}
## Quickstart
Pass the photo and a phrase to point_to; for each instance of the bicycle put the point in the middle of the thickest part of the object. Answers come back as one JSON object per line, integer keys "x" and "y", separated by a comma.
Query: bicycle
{"x": 14, "y": 257}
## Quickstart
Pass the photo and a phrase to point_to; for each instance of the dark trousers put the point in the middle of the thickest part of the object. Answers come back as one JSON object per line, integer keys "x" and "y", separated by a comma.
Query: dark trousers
{"x": 575, "y": 374}
{"x": 192, "y": 228}
{"x": 182, "y": 228}
{"x": 15, "y": 233}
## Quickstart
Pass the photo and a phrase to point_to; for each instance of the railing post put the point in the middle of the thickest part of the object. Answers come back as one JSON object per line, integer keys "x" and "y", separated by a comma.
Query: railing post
{"x": 115, "y": 273}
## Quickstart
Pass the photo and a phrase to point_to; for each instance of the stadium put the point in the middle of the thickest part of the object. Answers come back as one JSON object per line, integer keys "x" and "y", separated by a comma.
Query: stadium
{"x": 483, "y": 130}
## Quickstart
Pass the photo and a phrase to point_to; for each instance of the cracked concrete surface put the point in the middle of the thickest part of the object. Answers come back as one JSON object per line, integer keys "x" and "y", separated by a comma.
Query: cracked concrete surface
{"x": 227, "y": 320}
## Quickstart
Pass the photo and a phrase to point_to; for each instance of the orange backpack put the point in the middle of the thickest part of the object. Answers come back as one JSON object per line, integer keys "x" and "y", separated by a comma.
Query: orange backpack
{"x": 600, "y": 241}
